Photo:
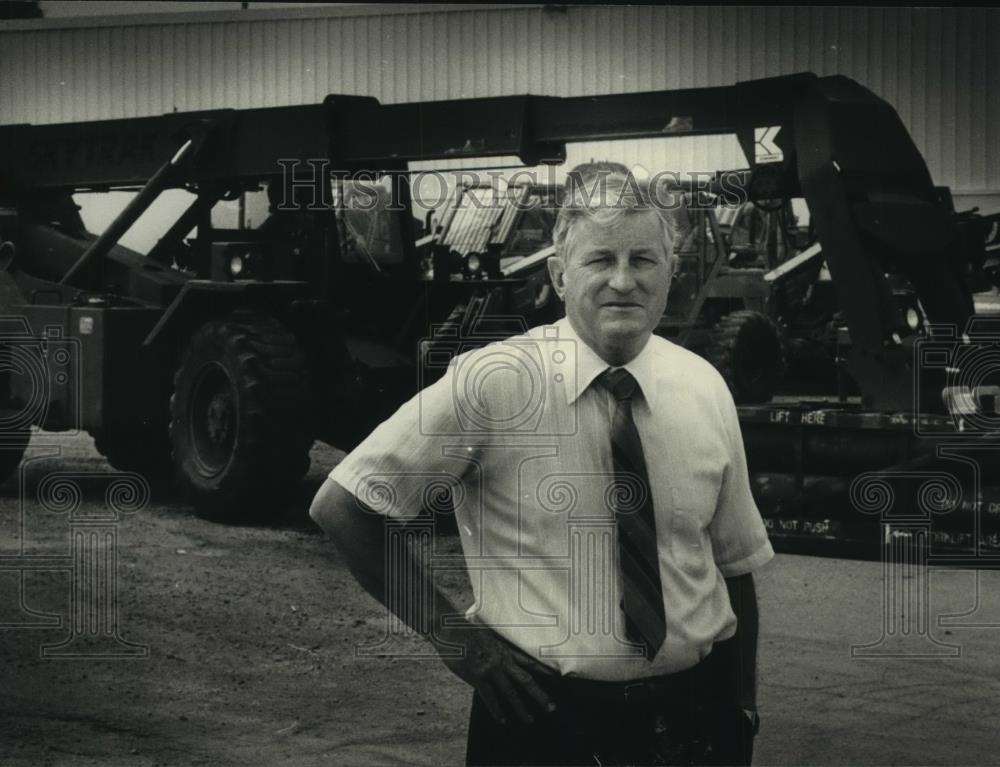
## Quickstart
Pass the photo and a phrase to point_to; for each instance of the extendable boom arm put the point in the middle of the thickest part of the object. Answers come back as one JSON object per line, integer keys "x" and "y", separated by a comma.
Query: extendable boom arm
{"x": 355, "y": 132}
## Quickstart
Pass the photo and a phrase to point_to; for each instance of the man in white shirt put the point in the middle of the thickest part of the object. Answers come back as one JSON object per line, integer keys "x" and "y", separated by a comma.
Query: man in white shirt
{"x": 604, "y": 508}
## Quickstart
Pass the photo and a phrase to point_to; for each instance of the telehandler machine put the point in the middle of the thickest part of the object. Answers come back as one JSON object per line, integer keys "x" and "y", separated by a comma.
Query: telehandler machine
{"x": 220, "y": 355}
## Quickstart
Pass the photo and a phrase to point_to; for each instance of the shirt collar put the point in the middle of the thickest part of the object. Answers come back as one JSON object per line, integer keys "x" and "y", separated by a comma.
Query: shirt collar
{"x": 589, "y": 365}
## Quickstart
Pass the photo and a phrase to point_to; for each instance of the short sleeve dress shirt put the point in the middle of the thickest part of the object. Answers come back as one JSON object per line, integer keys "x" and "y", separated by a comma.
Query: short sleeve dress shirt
{"x": 520, "y": 432}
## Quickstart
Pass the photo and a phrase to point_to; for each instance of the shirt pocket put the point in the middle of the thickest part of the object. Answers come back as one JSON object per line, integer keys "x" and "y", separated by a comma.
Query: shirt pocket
{"x": 695, "y": 502}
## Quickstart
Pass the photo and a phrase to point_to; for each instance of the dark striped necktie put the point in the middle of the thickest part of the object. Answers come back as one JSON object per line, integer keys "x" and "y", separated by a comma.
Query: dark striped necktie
{"x": 642, "y": 591}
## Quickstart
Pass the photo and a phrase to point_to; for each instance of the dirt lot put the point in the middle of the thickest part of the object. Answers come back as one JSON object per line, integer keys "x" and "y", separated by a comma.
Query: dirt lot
{"x": 251, "y": 633}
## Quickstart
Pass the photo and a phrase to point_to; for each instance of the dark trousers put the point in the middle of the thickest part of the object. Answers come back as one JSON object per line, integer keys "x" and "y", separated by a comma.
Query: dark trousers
{"x": 690, "y": 718}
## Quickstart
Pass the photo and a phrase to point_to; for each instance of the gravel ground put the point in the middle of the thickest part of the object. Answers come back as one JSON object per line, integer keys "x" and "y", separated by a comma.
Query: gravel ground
{"x": 252, "y": 630}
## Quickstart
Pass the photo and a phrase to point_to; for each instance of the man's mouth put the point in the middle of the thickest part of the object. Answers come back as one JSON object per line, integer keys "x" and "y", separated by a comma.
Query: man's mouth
{"x": 622, "y": 305}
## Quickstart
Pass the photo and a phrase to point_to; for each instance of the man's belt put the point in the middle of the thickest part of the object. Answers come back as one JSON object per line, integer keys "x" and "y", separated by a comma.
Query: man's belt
{"x": 714, "y": 677}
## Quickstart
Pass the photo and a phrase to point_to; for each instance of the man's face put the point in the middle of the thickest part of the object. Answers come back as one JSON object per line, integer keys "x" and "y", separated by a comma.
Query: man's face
{"x": 614, "y": 280}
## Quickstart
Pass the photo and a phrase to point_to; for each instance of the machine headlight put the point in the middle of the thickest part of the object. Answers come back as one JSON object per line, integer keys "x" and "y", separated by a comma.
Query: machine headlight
{"x": 473, "y": 264}
{"x": 912, "y": 319}
{"x": 236, "y": 265}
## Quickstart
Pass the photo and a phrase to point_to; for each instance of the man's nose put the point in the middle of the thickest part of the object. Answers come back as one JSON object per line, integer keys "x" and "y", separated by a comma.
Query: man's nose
{"x": 623, "y": 278}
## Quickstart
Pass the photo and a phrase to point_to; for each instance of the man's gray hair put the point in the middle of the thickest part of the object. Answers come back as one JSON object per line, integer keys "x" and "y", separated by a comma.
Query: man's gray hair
{"x": 602, "y": 193}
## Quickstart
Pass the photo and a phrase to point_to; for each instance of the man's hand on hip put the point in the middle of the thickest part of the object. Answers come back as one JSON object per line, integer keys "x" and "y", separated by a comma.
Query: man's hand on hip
{"x": 504, "y": 676}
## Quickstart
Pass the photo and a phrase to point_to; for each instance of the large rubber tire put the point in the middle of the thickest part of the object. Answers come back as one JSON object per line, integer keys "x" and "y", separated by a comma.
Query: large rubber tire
{"x": 13, "y": 443}
{"x": 15, "y": 420}
{"x": 239, "y": 416}
{"x": 748, "y": 351}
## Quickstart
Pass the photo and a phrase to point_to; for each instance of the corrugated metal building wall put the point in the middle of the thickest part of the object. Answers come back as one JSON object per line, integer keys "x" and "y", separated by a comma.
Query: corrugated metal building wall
{"x": 939, "y": 67}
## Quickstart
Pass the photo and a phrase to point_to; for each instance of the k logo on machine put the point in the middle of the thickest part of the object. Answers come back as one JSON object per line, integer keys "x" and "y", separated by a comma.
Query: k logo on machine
{"x": 764, "y": 148}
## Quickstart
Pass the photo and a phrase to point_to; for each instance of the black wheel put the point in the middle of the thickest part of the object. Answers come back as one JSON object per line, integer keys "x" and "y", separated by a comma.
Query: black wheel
{"x": 239, "y": 416}
{"x": 747, "y": 350}
{"x": 16, "y": 417}
{"x": 13, "y": 443}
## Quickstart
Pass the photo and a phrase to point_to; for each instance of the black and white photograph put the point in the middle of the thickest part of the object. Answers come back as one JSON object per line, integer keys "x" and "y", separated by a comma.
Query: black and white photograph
{"x": 499, "y": 384}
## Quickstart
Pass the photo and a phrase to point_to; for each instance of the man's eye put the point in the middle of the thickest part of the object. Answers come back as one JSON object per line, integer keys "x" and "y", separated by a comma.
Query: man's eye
{"x": 598, "y": 260}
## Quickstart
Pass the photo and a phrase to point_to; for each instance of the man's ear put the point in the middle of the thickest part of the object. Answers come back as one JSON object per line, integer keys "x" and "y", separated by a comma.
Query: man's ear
{"x": 557, "y": 274}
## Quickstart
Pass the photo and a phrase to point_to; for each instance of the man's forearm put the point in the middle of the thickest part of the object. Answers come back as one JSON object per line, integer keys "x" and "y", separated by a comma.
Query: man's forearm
{"x": 743, "y": 597}
{"x": 360, "y": 535}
